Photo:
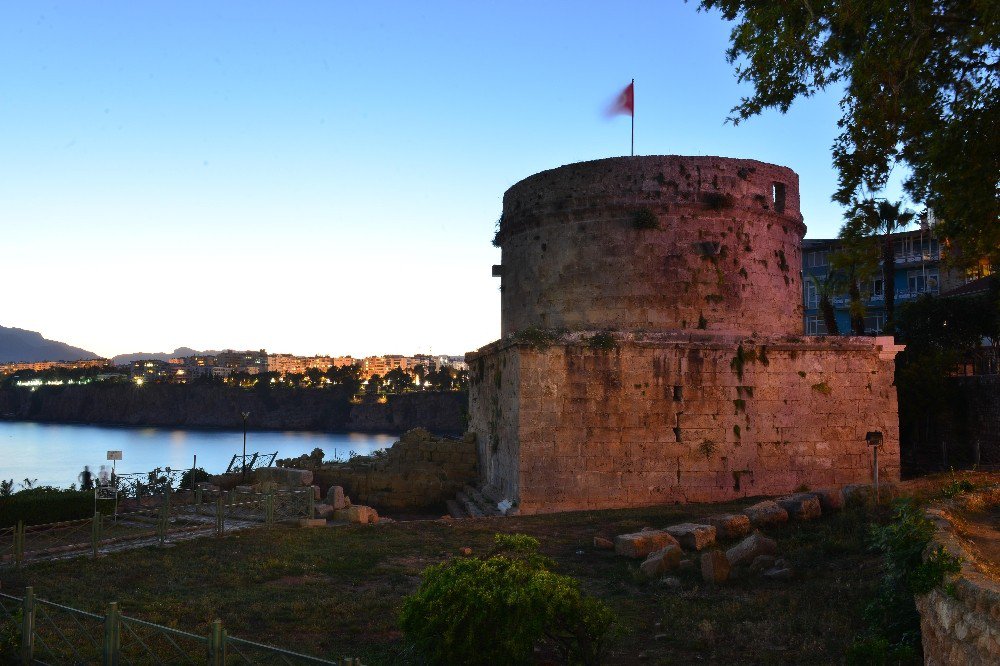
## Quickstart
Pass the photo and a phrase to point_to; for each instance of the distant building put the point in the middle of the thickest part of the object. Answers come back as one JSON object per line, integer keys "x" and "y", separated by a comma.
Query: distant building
{"x": 250, "y": 362}
{"x": 38, "y": 366}
{"x": 918, "y": 270}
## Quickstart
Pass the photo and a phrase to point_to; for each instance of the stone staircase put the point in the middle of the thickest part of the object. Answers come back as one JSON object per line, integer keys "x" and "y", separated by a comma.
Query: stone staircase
{"x": 474, "y": 503}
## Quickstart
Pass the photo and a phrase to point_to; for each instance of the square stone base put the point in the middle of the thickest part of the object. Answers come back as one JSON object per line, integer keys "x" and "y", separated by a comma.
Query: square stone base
{"x": 579, "y": 423}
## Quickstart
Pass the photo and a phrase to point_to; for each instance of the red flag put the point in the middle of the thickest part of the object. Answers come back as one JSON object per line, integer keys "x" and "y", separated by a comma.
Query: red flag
{"x": 624, "y": 103}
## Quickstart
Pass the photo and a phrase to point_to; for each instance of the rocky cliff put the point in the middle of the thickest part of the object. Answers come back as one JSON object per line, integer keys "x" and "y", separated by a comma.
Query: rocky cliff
{"x": 214, "y": 406}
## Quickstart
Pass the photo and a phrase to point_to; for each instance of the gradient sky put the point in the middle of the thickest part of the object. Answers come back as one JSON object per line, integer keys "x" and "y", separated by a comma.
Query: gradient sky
{"x": 324, "y": 177}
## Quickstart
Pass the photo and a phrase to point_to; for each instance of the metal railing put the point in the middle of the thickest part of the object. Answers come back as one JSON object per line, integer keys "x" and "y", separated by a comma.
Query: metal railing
{"x": 35, "y": 631}
{"x": 153, "y": 519}
{"x": 250, "y": 462}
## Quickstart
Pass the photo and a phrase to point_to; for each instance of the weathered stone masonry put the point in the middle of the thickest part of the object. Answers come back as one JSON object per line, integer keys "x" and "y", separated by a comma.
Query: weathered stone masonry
{"x": 651, "y": 312}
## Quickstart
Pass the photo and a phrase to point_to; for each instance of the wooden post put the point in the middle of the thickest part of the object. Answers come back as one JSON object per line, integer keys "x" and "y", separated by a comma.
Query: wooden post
{"x": 95, "y": 534}
{"x": 112, "y": 635}
{"x": 220, "y": 521}
{"x": 217, "y": 644}
{"x": 19, "y": 543}
{"x": 28, "y": 626}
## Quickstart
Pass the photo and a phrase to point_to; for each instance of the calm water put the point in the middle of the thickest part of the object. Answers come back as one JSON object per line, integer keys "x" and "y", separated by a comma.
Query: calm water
{"x": 55, "y": 454}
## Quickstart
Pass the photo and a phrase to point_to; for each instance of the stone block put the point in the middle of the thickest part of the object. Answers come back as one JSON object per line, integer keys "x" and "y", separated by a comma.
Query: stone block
{"x": 324, "y": 511}
{"x": 762, "y": 563}
{"x": 286, "y": 476}
{"x": 745, "y": 551}
{"x": 714, "y": 566}
{"x": 312, "y": 522}
{"x": 661, "y": 561}
{"x": 765, "y": 513}
{"x": 640, "y": 544}
{"x": 362, "y": 514}
{"x": 335, "y": 497}
{"x": 800, "y": 506}
{"x": 603, "y": 544}
{"x": 729, "y": 525}
{"x": 830, "y": 499}
{"x": 692, "y": 536}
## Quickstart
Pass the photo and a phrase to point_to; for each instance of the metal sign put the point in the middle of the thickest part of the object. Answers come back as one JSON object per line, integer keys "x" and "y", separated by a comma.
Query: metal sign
{"x": 114, "y": 455}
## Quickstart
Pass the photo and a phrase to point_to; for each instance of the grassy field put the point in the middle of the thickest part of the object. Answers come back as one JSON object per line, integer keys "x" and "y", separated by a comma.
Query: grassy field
{"x": 337, "y": 591}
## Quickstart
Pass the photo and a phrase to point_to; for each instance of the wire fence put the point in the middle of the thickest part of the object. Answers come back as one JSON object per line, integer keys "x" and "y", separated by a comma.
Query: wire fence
{"x": 35, "y": 631}
{"x": 155, "y": 519}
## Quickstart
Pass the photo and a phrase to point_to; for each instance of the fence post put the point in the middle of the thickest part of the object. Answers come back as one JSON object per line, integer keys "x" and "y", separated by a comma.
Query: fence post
{"x": 112, "y": 635}
{"x": 311, "y": 503}
{"x": 217, "y": 644}
{"x": 19, "y": 543}
{"x": 219, "y": 518}
{"x": 95, "y": 533}
{"x": 28, "y": 626}
{"x": 269, "y": 508}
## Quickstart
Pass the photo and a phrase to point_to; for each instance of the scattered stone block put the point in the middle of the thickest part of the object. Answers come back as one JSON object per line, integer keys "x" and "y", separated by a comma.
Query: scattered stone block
{"x": 801, "y": 506}
{"x": 761, "y": 563}
{"x": 640, "y": 544}
{"x": 745, "y": 551}
{"x": 778, "y": 574}
{"x": 763, "y": 514}
{"x": 661, "y": 561}
{"x": 335, "y": 497}
{"x": 286, "y": 476}
{"x": 324, "y": 511}
{"x": 312, "y": 522}
{"x": 316, "y": 493}
{"x": 603, "y": 544}
{"x": 730, "y": 525}
{"x": 830, "y": 499}
{"x": 362, "y": 514}
{"x": 692, "y": 536}
{"x": 715, "y": 566}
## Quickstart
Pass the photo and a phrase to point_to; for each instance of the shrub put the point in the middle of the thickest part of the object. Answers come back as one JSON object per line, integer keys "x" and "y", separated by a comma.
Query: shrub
{"x": 38, "y": 506}
{"x": 192, "y": 477}
{"x": 496, "y": 610}
{"x": 892, "y": 615}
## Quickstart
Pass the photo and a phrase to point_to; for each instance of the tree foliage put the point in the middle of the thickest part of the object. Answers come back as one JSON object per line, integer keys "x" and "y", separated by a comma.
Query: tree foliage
{"x": 921, "y": 83}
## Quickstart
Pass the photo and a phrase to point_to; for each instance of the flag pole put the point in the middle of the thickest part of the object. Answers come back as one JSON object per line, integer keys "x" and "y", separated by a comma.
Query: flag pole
{"x": 633, "y": 117}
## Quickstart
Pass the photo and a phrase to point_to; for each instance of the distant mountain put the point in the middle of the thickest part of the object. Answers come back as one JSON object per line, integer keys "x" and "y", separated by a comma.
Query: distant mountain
{"x": 20, "y": 346}
{"x": 180, "y": 352}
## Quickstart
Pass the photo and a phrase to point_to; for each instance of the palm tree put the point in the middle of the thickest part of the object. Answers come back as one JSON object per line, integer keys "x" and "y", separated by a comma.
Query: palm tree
{"x": 826, "y": 289}
{"x": 879, "y": 219}
{"x": 854, "y": 263}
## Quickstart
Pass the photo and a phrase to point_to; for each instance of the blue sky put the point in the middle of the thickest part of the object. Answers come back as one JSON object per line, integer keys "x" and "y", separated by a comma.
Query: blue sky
{"x": 324, "y": 177}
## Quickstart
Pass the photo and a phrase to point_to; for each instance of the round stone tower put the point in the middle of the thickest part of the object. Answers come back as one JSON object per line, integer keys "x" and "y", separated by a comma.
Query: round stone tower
{"x": 657, "y": 243}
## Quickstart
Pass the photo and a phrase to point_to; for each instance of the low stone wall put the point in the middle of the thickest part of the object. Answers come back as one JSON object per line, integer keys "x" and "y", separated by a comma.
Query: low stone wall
{"x": 960, "y": 625}
{"x": 419, "y": 471}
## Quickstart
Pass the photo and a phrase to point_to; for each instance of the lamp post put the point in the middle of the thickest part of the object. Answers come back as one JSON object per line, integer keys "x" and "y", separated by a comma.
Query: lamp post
{"x": 246, "y": 415}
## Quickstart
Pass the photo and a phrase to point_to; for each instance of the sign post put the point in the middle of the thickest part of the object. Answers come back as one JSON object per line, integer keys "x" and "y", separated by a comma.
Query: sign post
{"x": 874, "y": 440}
{"x": 114, "y": 456}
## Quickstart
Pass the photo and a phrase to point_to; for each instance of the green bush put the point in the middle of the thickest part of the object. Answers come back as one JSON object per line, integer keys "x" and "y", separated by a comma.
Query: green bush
{"x": 192, "y": 477}
{"x": 38, "y": 506}
{"x": 497, "y": 610}
{"x": 892, "y": 615}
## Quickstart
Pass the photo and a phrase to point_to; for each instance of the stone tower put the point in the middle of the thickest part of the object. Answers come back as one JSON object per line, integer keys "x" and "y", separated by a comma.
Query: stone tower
{"x": 651, "y": 344}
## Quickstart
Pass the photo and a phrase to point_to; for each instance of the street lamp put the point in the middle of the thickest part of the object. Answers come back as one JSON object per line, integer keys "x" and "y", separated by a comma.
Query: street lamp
{"x": 246, "y": 415}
